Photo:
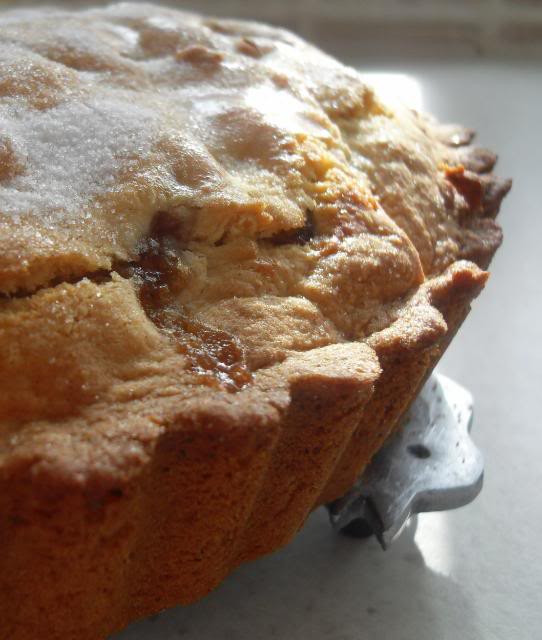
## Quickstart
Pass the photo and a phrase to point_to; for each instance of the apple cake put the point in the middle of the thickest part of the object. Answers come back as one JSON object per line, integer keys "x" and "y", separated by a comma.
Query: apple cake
{"x": 226, "y": 268}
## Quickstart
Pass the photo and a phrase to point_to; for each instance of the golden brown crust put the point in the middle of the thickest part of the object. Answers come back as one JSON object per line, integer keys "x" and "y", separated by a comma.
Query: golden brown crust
{"x": 407, "y": 351}
{"x": 226, "y": 267}
{"x": 172, "y": 528}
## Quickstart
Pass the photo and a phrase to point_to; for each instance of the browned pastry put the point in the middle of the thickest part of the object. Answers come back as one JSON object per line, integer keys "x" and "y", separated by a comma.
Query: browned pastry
{"x": 226, "y": 267}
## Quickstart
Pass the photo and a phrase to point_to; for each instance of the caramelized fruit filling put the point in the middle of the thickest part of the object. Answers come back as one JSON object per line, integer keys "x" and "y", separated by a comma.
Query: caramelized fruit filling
{"x": 215, "y": 356}
{"x": 296, "y": 236}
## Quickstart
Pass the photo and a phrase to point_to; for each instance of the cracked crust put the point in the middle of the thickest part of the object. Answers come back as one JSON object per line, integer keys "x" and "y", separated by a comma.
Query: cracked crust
{"x": 226, "y": 268}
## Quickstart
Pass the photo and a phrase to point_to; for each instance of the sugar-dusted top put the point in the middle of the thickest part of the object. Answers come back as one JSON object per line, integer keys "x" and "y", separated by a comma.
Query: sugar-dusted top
{"x": 169, "y": 179}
